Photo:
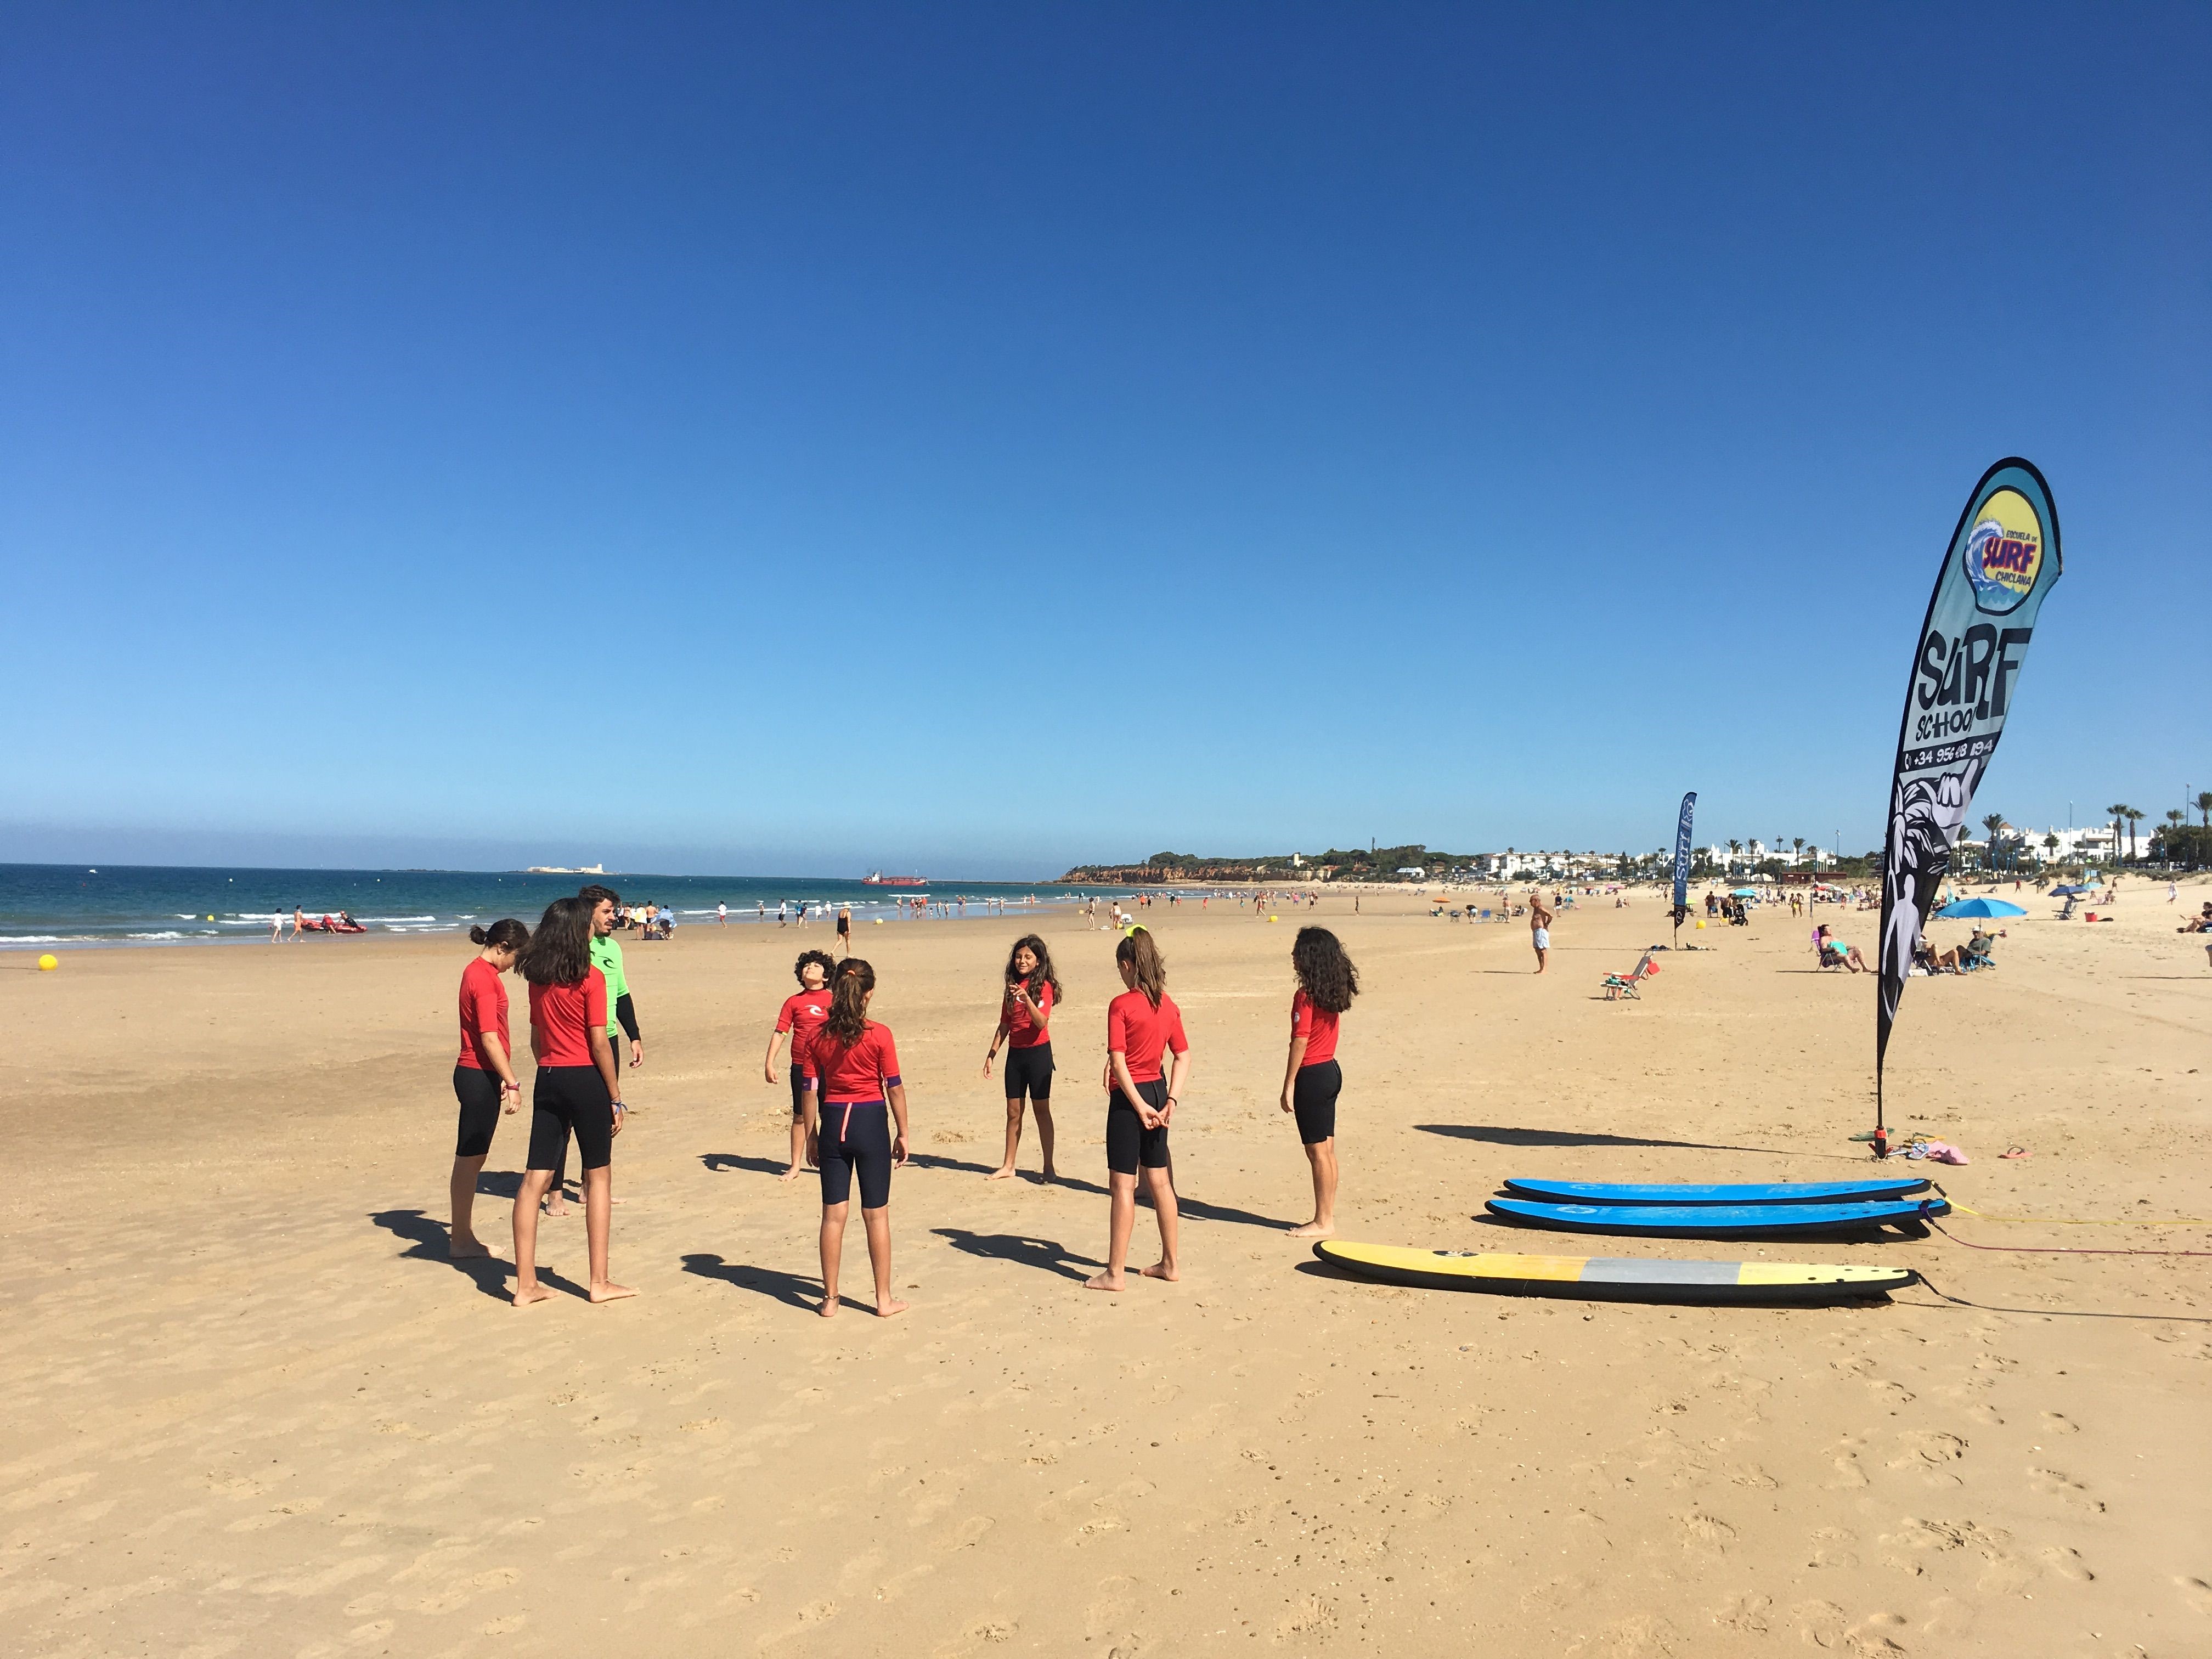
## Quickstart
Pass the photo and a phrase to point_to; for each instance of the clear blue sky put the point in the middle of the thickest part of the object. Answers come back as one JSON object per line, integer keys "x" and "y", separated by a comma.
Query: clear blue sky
{"x": 978, "y": 439}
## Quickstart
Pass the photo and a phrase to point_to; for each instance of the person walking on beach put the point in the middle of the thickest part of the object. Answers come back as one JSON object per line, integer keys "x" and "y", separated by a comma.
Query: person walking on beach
{"x": 844, "y": 930}
{"x": 622, "y": 1012}
{"x": 802, "y": 1014}
{"x": 1142, "y": 1024}
{"x": 1540, "y": 928}
{"x": 276, "y": 926}
{"x": 483, "y": 1076}
{"x": 577, "y": 1092}
{"x": 722, "y": 916}
{"x": 1025, "y": 1012}
{"x": 852, "y": 1093}
{"x": 299, "y": 921}
{"x": 1327, "y": 984}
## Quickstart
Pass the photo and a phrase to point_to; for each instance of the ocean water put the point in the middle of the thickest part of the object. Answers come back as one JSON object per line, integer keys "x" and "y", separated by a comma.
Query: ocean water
{"x": 49, "y": 904}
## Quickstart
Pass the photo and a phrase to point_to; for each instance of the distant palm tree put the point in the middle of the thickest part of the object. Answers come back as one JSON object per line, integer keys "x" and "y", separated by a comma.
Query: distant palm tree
{"x": 2136, "y": 816}
{"x": 2119, "y": 814}
{"x": 2050, "y": 845}
{"x": 1797, "y": 845}
{"x": 1994, "y": 823}
{"x": 2176, "y": 816}
{"x": 2204, "y": 807}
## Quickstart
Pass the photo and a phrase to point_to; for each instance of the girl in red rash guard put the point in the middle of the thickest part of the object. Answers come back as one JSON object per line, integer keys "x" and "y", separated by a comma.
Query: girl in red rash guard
{"x": 576, "y": 1093}
{"x": 1025, "y": 1010}
{"x": 1327, "y": 983}
{"x": 483, "y": 1076}
{"x": 853, "y": 1092}
{"x": 1142, "y": 1024}
{"x": 802, "y": 1015}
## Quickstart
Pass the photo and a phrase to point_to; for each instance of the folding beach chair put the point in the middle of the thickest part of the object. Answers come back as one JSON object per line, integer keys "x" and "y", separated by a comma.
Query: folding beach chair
{"x": 1618, "y": 985}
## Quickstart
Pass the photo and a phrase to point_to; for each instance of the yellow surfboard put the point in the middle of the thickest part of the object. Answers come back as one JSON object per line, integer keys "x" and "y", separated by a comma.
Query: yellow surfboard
{"x": 1617, "y": 1279}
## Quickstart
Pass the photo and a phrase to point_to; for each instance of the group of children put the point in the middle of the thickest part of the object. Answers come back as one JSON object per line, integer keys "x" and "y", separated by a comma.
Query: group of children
{"x": 848, "y": 1105}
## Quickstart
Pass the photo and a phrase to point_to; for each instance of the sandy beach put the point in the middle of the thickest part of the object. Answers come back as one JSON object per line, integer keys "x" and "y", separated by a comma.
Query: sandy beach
{"x": 251, "y": 1409}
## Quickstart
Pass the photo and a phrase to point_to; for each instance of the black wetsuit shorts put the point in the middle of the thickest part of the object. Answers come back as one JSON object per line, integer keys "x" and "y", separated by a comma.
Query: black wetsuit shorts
{"x": 1129, "y": 1144}
{"x": 856, "y": 1139}
{"x": 477, "y": 1091}
{"x": 1313, "y": 1101}
{"x": 1029, "y": 1072}
{"x": 569, "y": 1100}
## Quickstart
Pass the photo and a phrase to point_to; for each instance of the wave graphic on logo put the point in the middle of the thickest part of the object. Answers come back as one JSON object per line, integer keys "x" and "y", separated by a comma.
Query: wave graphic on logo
{"x": 2002, "y": 566}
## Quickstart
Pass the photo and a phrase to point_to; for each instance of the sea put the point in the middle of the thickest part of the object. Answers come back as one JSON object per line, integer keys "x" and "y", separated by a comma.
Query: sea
{"x": 44, "y": 905}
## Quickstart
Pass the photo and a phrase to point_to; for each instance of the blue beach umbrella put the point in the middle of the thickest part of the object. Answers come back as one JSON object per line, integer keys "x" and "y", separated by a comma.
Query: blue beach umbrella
{"x": 2071, "y": 888}
{"x": 1978, "y": 909}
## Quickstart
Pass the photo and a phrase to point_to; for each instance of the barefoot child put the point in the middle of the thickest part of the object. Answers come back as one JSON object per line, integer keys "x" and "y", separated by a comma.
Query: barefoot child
{"x": 853, "y": 1092}
{"x": 1141, "y": 1023}
{"x": 483, "y": 1076}
{"x": 1327, "y": 983}
{"x": 1023, "y": 1012}
{"x": 802, "y": 1015}
{"x": 575, "y": 1093}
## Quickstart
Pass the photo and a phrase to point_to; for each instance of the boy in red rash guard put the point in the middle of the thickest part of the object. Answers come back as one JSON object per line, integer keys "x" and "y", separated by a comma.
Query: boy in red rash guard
{"x": 1143, "y": 1024}
{"x": 1327, "y": 983}
{"x": 801, "y": 1015}
{"x": 853, "y": 1092}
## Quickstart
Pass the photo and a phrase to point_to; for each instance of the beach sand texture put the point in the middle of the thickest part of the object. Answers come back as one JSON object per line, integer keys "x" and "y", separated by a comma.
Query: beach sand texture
{"x": 248, "y": 1408}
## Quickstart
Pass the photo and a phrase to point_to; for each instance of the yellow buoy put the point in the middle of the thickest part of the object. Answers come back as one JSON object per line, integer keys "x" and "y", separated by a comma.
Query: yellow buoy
{"x": 1701, "y": 924}
{"x": 879, "y": 921}
{"x": 47, "y": 965}
{"x": 1274, "y": 918}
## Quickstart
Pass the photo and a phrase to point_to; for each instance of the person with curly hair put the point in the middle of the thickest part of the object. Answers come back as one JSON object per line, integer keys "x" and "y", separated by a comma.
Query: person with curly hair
{"x": 1327, "y": 984}
{"x": 802, "y": 1015}
{"x": 1024, "y": 1011}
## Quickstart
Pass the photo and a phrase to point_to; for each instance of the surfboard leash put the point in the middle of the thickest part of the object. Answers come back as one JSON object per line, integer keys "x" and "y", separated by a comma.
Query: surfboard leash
{"x": 2052, "y": 1249}
{"x": 2068, "y": 1221}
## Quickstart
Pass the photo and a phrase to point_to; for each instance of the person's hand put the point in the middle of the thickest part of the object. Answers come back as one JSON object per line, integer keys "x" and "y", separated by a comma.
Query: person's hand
{"x": 621, "y": 1113}
{"x": 769, "y": 1072}
{"x": 1167, "y": 1112}
{"x": 813, "y": 1149}
{"x": 898, "y": 1152}
{"x": 1286, "y": 1100}
{"x": 986, "y": 1065}
{"x": 510, "y": 1097}
{"x": 636, "y": 1052}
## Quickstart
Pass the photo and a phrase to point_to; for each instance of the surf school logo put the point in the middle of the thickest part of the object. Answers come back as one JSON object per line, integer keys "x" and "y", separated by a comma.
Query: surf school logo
{"x": 2004, "y": 554}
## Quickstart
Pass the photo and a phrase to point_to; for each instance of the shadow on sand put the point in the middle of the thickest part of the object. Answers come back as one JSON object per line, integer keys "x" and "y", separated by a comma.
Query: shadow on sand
{"x": 1047, "y": 1255}
{"x": 427, "y": 1240}
{"x": 787, "y": 1288}
{"x": 1498, "y": 1135}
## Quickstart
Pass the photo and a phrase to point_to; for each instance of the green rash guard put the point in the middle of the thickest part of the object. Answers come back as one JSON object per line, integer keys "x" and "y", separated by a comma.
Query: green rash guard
{"x": 606, "y": 956}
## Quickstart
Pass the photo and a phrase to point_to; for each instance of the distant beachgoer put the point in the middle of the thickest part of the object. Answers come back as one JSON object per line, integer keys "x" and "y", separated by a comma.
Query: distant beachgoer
{"x": 483, "y": 1076}
{"x": 1024, "y": 1013}
{"x": 1311, "y": 1081}
{"x": 853, "y": 1092}
{"x": 1142, "y": 1024}
{"x": 276, "y": 926}
{"x": 722, "y": 916}
{"x": 779, "y": 913}
{"x": 1540, "y": 929}
{"x": 577, "y": 1092}
{"x": 299, "y": 921}
{"x": 801, "y": 1015}
{"x": 844, "y": 930}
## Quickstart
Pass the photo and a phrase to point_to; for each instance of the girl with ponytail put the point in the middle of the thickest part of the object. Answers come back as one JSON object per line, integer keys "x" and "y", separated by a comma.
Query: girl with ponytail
{"x": 1142, "y": 1025}
{"x": 483, "y": 1076}
{"x": 851, "y": 1093}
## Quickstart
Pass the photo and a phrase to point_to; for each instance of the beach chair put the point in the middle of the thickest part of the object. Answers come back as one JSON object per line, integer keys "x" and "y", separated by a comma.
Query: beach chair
{"x": 2067, "y": 914}
{"x": 1970, "y": 960}
{"x": 1618, "y": 985}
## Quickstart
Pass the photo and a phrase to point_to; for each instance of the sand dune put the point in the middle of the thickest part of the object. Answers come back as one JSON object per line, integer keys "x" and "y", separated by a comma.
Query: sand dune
{"x": 248, "y": 1408}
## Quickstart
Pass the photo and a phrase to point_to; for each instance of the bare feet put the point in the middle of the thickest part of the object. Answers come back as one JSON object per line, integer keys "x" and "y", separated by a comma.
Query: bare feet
{"x": 1103, "y": 1282}
{"x": 886, "y": 1310}
{"x": 791, "y": 1174}
{"x": 1162, "y": 1270}
{"x": 463, "y": 1250}
{"x": 526, "y": 1294}
{"x": 1314, "y": 1229}
{"x": 828, "y": 1308}
{"x": 557, "y": 1206}
{"x": 611, "y": 1292}
{"x": 1048, "y": 1174}
{"x": 1005, "y": 1173}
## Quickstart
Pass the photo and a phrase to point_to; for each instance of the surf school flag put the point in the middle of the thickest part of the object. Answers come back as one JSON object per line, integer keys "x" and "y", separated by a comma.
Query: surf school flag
{"x": 1682, "y": 852}
{"x": 2003, "y": 559}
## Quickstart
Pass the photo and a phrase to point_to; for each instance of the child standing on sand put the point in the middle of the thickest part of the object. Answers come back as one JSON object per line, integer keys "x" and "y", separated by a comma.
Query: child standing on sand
{"x": 853, "y": 1091}
{"x": 1025, "y": 1017}
{"x": 483, "y": 1076}
{"x": 1327, "y": 983}
{"x": 1142, "y": 1024}
{"x": 801, "y": 1015}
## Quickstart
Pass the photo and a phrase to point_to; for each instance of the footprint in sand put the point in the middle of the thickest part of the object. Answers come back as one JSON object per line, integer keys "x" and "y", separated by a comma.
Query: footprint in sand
{"x": 2054, "y": 1483}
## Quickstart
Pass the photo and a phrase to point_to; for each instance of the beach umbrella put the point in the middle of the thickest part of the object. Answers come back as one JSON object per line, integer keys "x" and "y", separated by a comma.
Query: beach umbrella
{"x": 2071, "y": 888}
{"x": 1979, "y": 907}
{"x": 1745, "y": 893}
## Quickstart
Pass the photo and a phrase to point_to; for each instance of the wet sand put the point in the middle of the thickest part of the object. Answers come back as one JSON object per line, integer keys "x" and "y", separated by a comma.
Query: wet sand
{"x": 251, "y": 1409}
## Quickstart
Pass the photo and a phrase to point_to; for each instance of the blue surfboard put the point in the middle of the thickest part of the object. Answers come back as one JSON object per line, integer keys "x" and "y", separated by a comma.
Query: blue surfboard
{"x": 1748, "y": 1192}
{"x": 1716, "y": 1221}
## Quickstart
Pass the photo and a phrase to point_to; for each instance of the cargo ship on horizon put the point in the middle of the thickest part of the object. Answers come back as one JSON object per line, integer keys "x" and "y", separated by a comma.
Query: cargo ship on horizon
{"x": 878, "y": 878}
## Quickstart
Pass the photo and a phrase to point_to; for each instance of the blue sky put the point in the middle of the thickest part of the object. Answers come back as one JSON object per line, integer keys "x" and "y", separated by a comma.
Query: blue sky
{"x": 979, "y": 439}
